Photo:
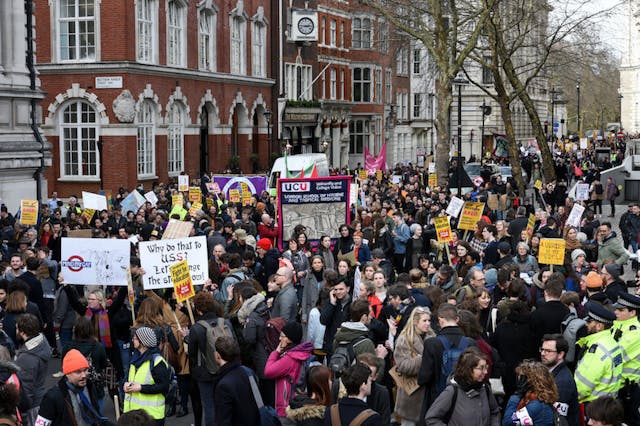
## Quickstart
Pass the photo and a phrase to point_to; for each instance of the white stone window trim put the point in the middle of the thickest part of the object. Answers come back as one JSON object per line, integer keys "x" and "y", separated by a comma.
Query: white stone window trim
{"x": 78, "y": 125}
{"x": 239, "y": 17}
{"x": 209, "y": 8}
{"x": 54, "y": 7}
{"x": 153, "y": 21}
{"x": 259, "y": 25}
{"x": 182, "y": 47}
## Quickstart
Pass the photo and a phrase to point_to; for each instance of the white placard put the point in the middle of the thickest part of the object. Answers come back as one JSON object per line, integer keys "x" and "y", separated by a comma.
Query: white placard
{"x": 353, "y": 194}
{"x": 575, "y": 216}
{"x": 583, "y": 143}
{"x": 183, "y": 183}
{"x": 95, "y": 261}
{"x": 114, "y": 82}
{"x": 132, "y": 202}
{"x": 157, "y": 256}
{"x": 151, "y": 197}
{"x": 94, "y": 201}
{"x": 432, "y": 167}
{"x": 582, "y": 191}
{"x": 395, "y": 179}
{"x": 454, "y": 207}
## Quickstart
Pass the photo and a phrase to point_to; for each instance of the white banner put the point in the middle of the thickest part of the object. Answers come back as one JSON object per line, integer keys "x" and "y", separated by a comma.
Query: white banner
{"x": 157, "y": 256}
{"x": 94, "y": 201}
{"x": 454, "y": 207}
{"x": 95, "y": 261}
{"x": 582, "y": 191}
{"x": 575, "y": 217}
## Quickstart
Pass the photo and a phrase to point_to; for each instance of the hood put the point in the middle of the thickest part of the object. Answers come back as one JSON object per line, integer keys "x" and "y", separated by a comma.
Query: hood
{"x": 301, "y": 352}
{"x": 38, "y": 346}
{"x": 249, "y": 306}
{"x": 7, "y": 368}
{"x": 301, "y": 408}
{"x": 351, "y": 330}
{"x": 611, "y": 236}
{"x": 536, "y": 281}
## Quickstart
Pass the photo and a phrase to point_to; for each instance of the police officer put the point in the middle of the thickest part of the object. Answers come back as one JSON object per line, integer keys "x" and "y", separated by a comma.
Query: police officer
{"x": 599, "y": 369}
{"x": 626, "y": 331}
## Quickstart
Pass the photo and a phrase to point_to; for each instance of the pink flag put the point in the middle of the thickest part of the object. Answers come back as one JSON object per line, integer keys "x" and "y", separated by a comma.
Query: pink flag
{"x": 373, "y": 163}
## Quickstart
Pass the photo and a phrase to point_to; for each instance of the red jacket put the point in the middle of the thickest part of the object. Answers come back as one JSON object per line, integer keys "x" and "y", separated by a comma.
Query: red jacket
{"x": 267, "y": 232}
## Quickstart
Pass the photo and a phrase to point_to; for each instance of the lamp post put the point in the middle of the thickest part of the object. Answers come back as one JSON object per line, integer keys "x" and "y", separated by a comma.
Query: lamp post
{"x": 267, "y": 116}
{"x": 620, "y": 109}
{"x": 459, "y": 81}
{"x": 431, "y": 108}
{"x": 486, "y": 110}
{"x": 554, "y": 92}
{"x": 578, "y": 90}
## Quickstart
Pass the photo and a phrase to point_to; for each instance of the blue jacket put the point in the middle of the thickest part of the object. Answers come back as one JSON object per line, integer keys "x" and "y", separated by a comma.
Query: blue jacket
{"x": 568, "y": 394}
{"x": 542, "y": 414}
{"x": 400, "y": 240}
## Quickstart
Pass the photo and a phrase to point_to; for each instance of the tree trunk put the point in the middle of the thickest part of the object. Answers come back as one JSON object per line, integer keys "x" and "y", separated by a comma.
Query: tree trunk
{"x": 443, "y": 96}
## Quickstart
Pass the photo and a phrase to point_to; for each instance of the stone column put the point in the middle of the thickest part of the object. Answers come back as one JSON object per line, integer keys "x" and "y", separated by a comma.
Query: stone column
{"x": 16, "y": 64}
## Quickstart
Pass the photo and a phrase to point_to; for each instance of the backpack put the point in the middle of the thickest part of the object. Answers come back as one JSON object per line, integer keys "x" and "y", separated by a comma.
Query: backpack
{"x": 570, "y": 326}
{"x": 616, "y": 191}
{"x": 271, "y": 336}
{"x": 450, "y": 356}
{"x": 599, "y": 189}
{"x": 171, "y": 397}
{"x": 268, "y": 415}
{"x": 468, "y": 291}
{"x": 357, "y": 421}
{"x": 212, "y": 333}
{"x": 344, "y": 356}
{"x": 94, "y": 375}
{"x": 454, "y": 398}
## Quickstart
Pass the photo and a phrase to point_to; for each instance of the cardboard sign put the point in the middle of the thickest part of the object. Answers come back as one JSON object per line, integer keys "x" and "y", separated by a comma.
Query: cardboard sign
{"x": 454, "y": 207}
{"x": 443, "y": 229}
{"x": 493, "y": 202}
{"x": 181, "y": 278}
{"x": 80, "y": 233}
{"x": 432, "y": 167}
{"x": 95, "y": 261}
{"x": 471, "y": 214}
{"x": 183, "y": 183}
{"x": 538, "y": 185}
{"x": 575, "y": 217}
{"x": 194, "y": 208}
{"x": 362, "y": 174}
{"x": 246, "y": 198}
{"x": 157, "y": 257}
{"x": 177, "y": 199}
{"x": 234, "y": 195}
{"x": 177, "y": 229}
{"x": 582, "y": 191}
{"x": 94, "y": 201}
{"x": 379, "y": 175}
{"x": 88, "y": 213}
{"x": 433, "y": 180}
{"x": 195, "y": 194}
{"x": 28, "y": 212}
{"x": 152, "y": 198}
{"x": 530, "y": 224}
{"x": 551, "y": 251}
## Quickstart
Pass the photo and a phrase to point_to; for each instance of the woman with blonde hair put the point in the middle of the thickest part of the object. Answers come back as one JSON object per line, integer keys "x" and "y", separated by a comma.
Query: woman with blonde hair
{"x": 536, "y": 392}
{"x": 408, "y": 358}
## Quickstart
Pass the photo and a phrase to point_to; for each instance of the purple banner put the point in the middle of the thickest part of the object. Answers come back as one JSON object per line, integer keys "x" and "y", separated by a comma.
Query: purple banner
{"x": 256, "y": 184}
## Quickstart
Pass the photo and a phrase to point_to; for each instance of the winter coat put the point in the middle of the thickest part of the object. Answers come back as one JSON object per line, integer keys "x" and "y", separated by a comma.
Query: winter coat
{"x": 474, "y": 407}
{"x": 305, "y": 411}
{"x": 233, "y": 397}
{"x": 63, "y": 315}
{"x": 349, "y": 408}
{"x": 350, "y": 331}
{"x": 91, "y": 349}
{"x": 315, "y": 330}
{"x": 541, "y": 414}
{"x": 611, "y": 248}
{"x": 614, "y": 289}
{"x": 331, "y": 317}
{"x": 57, "y": 407}
{"x": 528, "y": 265}
{"x": 197, "y": 340}
{"x": 568, "y": 394}
{"x": 256, "y": 312}
{"x": 9, "y": 374}
{"x": 408, "y": 364}
{"x": 378, "y": 400}
{"x": 285, "y": 369}
{"x": 285, "y": 304}
{"x": 300, "y": 263}
{"x": 33, "y": 358}
{"x": 310, "y": 294}
{"x": 547, "y": 319}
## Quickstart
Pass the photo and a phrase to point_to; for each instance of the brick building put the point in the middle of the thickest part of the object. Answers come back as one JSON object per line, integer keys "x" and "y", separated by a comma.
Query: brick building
{"x": 140, "y": 91}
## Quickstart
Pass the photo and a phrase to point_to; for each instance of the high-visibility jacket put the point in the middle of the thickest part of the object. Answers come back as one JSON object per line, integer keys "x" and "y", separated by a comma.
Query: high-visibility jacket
{"x": 153, "y": 404}
{"x": 627, "y": 334}
{"x": 599, "y": 371}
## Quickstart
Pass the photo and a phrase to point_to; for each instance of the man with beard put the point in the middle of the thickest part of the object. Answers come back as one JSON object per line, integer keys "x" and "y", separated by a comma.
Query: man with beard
{"x": 552, "y": 352}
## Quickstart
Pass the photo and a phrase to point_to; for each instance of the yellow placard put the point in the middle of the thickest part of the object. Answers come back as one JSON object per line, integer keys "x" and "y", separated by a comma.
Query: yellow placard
{"x": 177, "y": 199}
{"x": 471, "y": 214}
{"x": 379, "y": 175}
{"x": 538, "y": 184}
{"x": 28, "y": 212}
{"x": 194, "y": 208}
{"x": 195, "y": 194}
{"x": 432, "y": 182}
{"x": 234, "y": 195}
{"x": 530, "y": 224}
{"x": 245, "y": 188}
{"x": 551, "y": 251}
{"x": 362, "y": 174}
{"x": 88, "y": 213}
{"x": 443, "y": 229}
{"x": 246, "y": 198}
{"x": 181, "y": 279}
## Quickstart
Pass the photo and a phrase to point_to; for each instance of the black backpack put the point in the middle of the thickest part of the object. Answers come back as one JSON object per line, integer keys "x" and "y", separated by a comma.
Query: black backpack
{"x": 344, "y": 356}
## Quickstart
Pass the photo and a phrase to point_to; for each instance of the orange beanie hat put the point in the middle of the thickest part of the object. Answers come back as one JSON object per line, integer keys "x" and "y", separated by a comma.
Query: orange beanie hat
{"x": 74, "y": 361}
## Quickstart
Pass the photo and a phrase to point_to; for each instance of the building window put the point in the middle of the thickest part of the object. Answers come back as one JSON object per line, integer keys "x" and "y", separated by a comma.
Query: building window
{"x": 341, "y": 33}
{"x": 417, "y": 60}
{"x": 175, "y": 143}
{"x": 487, "y": 75}
{"x": 401, "y": 101}
{"x": 238, "y": 44}
{"x": 378, "y": 81}
{"x": 323, "y": 28}
{"x": 361, "y": 33}
{"x": 77, "y": 30}
{"x": 378, "y": 134}
{"x": 259, "y": 47}
{"x": 146, "y": 140}
{"x": 332, "y": 32}
{"x": 402, "y": 62}
{"x": 383, "y": 37}
{"x": 359, "y": 133}
{"x": 323, "y": 82}
{"x": 78, "y": 137}
{"x": 341, "y": 84}
{"x": 362, "y": 85}
{"x": 176, "y": 34}
{"x": 387, "y": 85}
{"x": 417, "y": 104}
{"x": 333, "y": 90}
{"x": 298, "y": 79}
{"x": 207, "y": 40}
{"x": 146, "y": 32}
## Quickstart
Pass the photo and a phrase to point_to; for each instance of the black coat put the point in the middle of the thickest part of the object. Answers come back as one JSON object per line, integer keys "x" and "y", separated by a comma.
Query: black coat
{"x": 331, "y": 317}
{"x": 547, "y": 319}
{"x": 612, "y": 291}
{"x": 349, "y": 408}
{"x": 56, "y": 405}
{"x": 35, "y": 293}
{"x": 233, "y": 398}
{"x": 568, "y": 393}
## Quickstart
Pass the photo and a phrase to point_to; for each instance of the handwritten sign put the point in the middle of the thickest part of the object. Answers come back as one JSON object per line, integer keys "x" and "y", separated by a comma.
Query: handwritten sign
{"x": 183, "y": 183}
{"x": 158, "y": 256}
{"x": 28, "y": 212}
{"x": 575, "y": 217}
{"x": 432, "y": 167}
{"x": 443, "y": 229}
{"x": 177, "y": 199}
{"x": 551, "y": 251}
{"x": 582, "y": 191}
{"x": 454, "y": 207}
{"x": 234, "y": 195}
{"x": 181, "y": 278}
{"x": 471, "y": 214}
{"x": 433, "y": 180}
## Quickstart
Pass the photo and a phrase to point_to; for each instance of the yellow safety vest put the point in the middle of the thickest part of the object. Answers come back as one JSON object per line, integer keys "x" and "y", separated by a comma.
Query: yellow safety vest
{"x": 153, "y": 404}
{"x": 627, "y": 334}
{"x": 599, "y": 371}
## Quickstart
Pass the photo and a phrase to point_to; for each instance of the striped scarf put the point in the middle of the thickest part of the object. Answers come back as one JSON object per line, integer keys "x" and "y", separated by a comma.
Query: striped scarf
{"x": 103, "y": 325}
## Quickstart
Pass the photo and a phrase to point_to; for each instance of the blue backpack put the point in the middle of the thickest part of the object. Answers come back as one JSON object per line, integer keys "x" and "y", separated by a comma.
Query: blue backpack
{"x": 268, "y": 415}
{"x": 450, "y": 356}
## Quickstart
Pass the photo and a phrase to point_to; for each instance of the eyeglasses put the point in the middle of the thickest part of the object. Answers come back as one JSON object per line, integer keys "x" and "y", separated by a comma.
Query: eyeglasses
{"x": 484, "y": 367}
{"x": 547, "y": 351}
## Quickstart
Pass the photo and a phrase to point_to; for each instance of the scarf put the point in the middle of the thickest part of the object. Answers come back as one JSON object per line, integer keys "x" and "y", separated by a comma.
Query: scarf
{"x": 530, "y": 396}
{"x": 90, "y": 415}
{"x": 137, "y": 358}
{"x": 103, "y": 324}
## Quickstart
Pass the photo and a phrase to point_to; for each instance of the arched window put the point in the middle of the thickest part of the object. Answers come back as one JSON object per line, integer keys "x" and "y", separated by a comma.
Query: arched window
{"x": 176, "y": 34}
{"x": 175, "y": 143}
{"x": 78, "y": 141}
{"x": 238, "y": 29}
{"x": 146, "y": 140}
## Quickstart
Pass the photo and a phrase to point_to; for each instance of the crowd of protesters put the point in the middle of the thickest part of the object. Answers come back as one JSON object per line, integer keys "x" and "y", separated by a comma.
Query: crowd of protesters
{"x": 381, "y": 325}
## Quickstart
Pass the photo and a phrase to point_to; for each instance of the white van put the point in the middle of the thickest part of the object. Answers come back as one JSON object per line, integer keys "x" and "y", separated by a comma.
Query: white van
{"x": 296, "y": 164}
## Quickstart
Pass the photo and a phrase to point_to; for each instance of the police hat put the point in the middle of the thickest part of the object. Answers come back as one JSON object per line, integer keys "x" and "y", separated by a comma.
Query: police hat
{"x": 627, "y": 300}
{"x": 597, "y": 312}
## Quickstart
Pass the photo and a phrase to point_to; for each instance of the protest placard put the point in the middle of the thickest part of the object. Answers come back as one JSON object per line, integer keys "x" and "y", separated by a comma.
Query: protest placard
{"x": 88, "y": 214}
{"x": 152, "y": 198}
{"x": 582, "y": 191}
{"x": 181, "y": 278}
{"x": 432, "y": 180}
{"x": 94, "y": 201}
{"x": 95, "y": 261}
{"x": 156, "y": 257}
{"x": 177, "y": 199}
{"x": 538, "y": 184}
{"x": 195, "y": 194}
{"x": 454, "y": 207}
{"x": 584, "y": 143}
{"x": 246, "y": 198}
{"x": 443, "y": 229}
{"x": 177, "y": 229}
{"x": 210, "y": 187}
{"x": 530, "y": 224}
{"x": 132, "y": 202}
{"x": 215, "y": 188}
{"x": 353, "y": 194}
{"x": 432, "y": 167}
{"x": 379, "y": 175}
{"x": 183, "y": 183}
{"x": 234, "y": 196}
{"x": 493, "y": 202}
{"x": 362, "y": 175}
{"x": 28, "y": 212}
{"x": 194, "y": 208}
{"x": 575, "y": 216}
{"x": 395, "y": 179}
{"x": 80, "y": 233}
{"x": 179, "y": 210}
{"x": 551, "y": 251}
{"x": 471, "y": 214}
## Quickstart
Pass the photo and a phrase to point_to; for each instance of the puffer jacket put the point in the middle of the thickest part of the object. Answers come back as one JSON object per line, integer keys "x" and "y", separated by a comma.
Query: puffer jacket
{"x": 252, "y": 315}
{"x": 285, "y": 369}
{"x": 305, "y": 411}
{"x": 611, "y": 248}
{"x": 32, "y": 358}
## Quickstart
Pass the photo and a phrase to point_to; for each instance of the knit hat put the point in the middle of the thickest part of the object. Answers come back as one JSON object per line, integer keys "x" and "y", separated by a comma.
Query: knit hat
{"x": 504, "y": 247}
{"x": 241, "y": 234}
{"x": 593, "y": 280}
{"x": 491, "y": 277}
{"x": 264, "y": 244}
{"x": 74, "y": 361}
{"x": 293, "y": 331}
{"x": 147, "y": 337}
{"x": 613, "y": 270}
{"x": 577, "y": 253}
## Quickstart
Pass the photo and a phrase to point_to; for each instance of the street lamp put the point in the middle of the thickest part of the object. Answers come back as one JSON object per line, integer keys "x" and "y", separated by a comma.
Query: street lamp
{"x": 578, "y": 90}
{"x": 267, "y": 116}
{"x": 554, "y": 92}
{"x": 486, "y": 110}
{"x": 459, "y": 81}
{"x": 620, "y": 109}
